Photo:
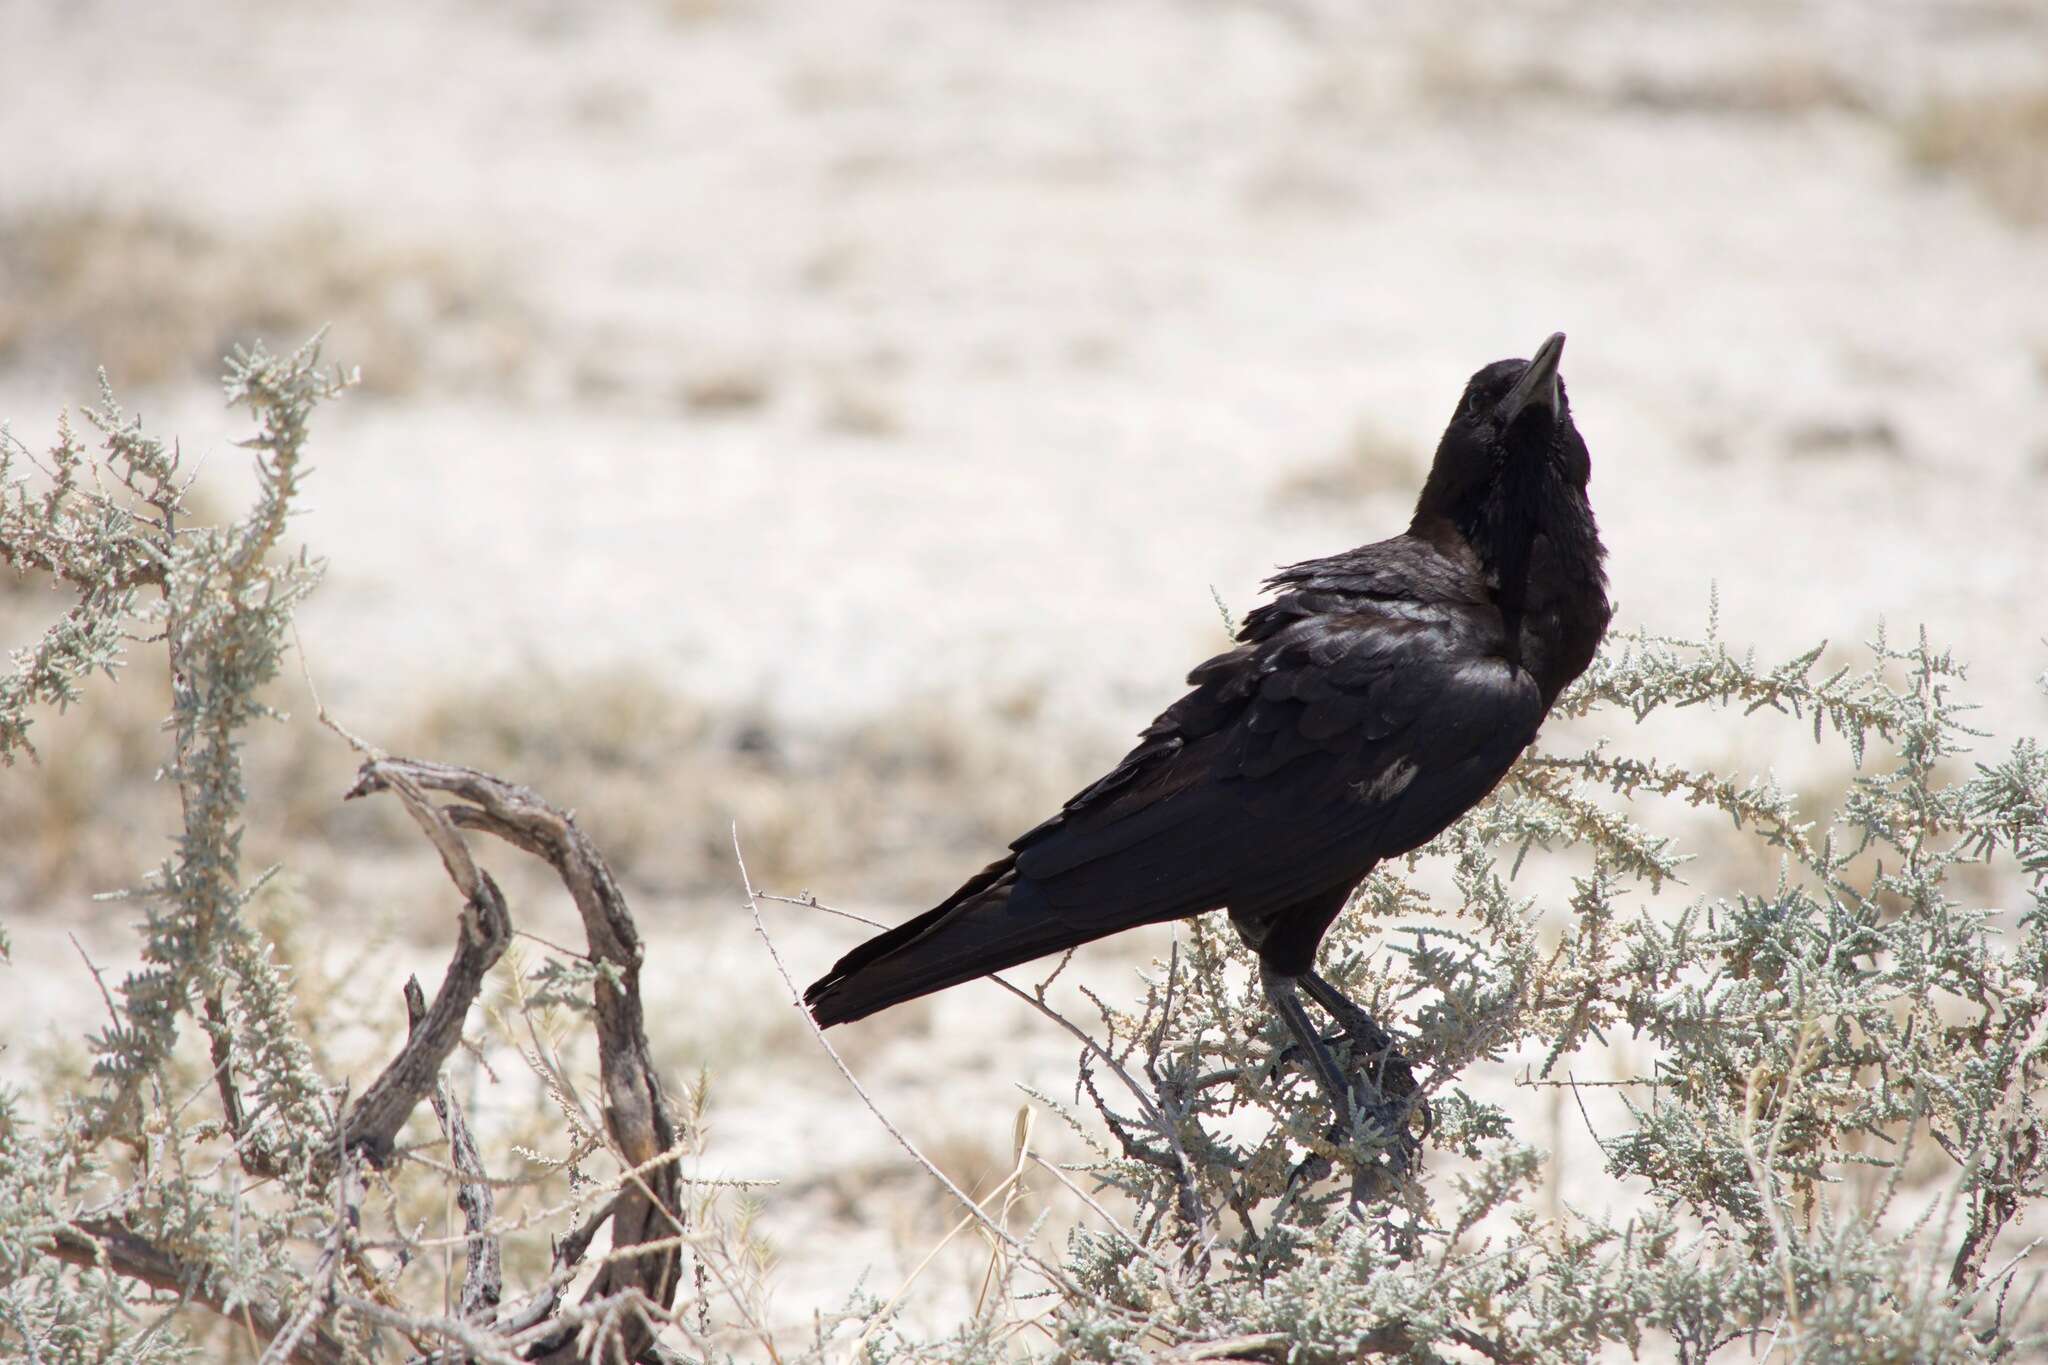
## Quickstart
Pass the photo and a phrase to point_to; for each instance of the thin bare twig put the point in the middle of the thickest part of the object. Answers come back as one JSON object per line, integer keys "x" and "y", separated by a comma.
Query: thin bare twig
{"x": 348, "y": 1196}
{"x": 994, "y": 1229}
{"x": 1148, "y": 1105}
{"x": 482, "y": 1279}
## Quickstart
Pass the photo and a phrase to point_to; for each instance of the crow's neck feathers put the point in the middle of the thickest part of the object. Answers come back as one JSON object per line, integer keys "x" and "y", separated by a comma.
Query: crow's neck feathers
{"x": 1522, "y": 512}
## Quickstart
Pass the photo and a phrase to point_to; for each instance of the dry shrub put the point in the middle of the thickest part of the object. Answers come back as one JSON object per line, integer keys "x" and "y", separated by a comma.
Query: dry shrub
{"x": 658, "y": 777}
{"x": 1996, "y": 143}
{"x": 1370, "y": 462}
{"x": 1451, "y": 75}
{"x": 156, "y": 297}
{"x": 727, "y": 389}
{"x": 86, "y": 816}
{"x": 661, "y": 778}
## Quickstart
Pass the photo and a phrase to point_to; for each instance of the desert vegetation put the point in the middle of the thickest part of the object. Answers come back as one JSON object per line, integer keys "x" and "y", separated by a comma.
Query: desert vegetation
{"x": 836, "y": 426}
{"x": 1822, "y": 1084}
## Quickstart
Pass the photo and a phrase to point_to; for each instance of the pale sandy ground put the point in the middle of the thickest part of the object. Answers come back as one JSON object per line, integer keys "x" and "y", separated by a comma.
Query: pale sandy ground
{"x": 1034, "y": 311}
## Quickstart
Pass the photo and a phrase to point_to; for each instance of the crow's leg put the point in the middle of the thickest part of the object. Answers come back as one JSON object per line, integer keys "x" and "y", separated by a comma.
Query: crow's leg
{"x": 1280, "y": 993}
{"x": 1363, "y": 1031}
{"x": 1379, "y": 1104}
{"x": 1329, "y": 1076}
{"x": 1390, "y": 1094}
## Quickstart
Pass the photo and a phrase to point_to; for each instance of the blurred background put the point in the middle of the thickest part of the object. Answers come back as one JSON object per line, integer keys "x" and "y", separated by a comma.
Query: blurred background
{"x": 846, "y": 419}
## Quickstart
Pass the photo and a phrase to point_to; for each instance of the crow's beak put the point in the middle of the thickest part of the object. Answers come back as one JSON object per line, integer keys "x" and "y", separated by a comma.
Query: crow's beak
{"x": 1537, "y": 388}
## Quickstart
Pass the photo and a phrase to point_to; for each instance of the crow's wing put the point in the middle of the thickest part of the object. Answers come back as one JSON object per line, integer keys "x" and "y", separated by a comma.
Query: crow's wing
{"x": 1298, "y": 760}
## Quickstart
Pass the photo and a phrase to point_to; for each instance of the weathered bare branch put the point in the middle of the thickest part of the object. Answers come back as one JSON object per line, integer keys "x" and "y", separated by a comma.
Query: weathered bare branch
{"x": 1389, "y": 1339}
{"x": 486, "y": 928}
{"x": 108, "y": 1244}
{"x": 568, "y": 1255}
{"x": 482, "y": 1276}
{"x": 637, "y": 1116}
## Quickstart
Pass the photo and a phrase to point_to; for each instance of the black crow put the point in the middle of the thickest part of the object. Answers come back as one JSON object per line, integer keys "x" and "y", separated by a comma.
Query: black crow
{"x": 1376, "y": 698}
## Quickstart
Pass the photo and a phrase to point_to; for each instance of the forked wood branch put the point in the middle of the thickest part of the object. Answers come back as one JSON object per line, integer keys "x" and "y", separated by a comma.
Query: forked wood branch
{"x": 638, "y": 1118}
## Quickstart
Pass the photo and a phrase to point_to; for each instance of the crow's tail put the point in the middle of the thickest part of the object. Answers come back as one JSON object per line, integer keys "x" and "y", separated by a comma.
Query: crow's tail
{"x": 992, "y": 922}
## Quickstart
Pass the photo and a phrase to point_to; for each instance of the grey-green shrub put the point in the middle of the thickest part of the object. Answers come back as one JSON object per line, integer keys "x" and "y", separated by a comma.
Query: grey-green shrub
{"x": 1855, "y": 1013}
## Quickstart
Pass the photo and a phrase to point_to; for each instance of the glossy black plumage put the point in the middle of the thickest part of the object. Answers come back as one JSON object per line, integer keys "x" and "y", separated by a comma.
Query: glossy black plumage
{"x": 1378, "y": 696}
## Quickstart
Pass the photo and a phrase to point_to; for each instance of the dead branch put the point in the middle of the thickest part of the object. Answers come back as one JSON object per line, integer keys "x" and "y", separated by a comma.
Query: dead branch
{"x": 1388, "y": 1339}
{"x": 482, "y": 1277}
{"x": 568, "y": 1255}
{"x": 109, "y": 1244}
{"x": 639, "y": 1121}
{"x": 486, "y": 928}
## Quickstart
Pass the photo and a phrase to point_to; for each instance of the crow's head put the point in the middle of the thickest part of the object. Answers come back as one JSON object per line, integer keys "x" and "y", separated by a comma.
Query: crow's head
{"x": 1510, "y": 447}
